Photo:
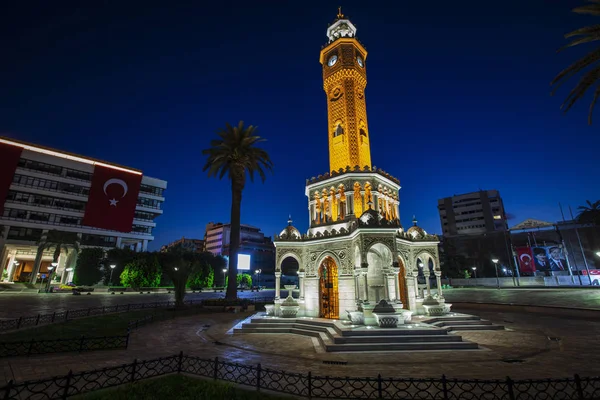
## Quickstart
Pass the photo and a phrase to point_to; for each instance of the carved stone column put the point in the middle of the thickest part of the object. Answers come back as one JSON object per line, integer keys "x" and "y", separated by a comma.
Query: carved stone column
{"x": 416, "y": 283}
{"x": 427, "y": 274}
{"x": 438, "y": 280}
{"x": 357, "y": 284}
{"x": 397, "y": 283}
{"x": 301, "y": 284}
{"x": 386, "y": 286}
{"x": 364, "y": 267}
{"x": 277, "y": 284}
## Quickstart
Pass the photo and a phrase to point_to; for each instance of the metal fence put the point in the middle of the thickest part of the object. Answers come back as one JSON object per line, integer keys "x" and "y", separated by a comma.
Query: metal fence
{"x": 305, "y": 385}
{"x": 80, "y": 344}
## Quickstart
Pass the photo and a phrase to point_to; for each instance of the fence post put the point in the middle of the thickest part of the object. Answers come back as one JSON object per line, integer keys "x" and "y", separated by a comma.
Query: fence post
{"x": 66, "y": 315}
{"x": 379, "y": 389}
{"x": 309, "y": 385}
{"x": 67, "y": 385}
{"x": 258, "y": 370}
{"x": 509, "y": 388}
{"x": 578, "y": 386}
{"x": 180, "y": 362}
{"x": 81, "y": 343}
{"x": 53, "y": 316}
{"x": 37, "y": 320}
{"x": 133, "y": 370}
{"x": 30, "y": 347}
{"x": 127, "y": 340}
{"x": 19, "y": 322}
{"x": 8, "y": 389}
{"x": 216, "y": 371}
{"x": 445, "y": 387}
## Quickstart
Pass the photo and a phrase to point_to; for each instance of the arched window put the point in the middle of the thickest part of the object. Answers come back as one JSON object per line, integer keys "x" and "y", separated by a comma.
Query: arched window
{"x": 338, "y": 131}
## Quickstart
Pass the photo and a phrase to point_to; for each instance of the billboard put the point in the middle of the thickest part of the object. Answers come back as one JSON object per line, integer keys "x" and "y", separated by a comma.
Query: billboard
{"x": 243, "y": 262}
{"x": 542, "y": 259}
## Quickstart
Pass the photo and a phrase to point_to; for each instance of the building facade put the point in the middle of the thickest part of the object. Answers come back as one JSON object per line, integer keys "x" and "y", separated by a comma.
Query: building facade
{"x": 194, "y": 245}
{"x": 355, "y": 252}
{"x": 46, "y": 190}
{"x": 252, "y": 242}
{"x": 473, "y": 213}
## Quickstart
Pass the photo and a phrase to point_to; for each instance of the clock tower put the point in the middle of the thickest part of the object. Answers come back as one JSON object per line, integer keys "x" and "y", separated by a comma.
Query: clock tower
{"x": 344, "y": 82}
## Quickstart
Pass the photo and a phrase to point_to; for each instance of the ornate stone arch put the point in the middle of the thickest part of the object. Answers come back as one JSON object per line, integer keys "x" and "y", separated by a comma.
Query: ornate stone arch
{"x": 328, "y": 253}
{"x": 285, "y": 254}
{"x": 425, "y": 255}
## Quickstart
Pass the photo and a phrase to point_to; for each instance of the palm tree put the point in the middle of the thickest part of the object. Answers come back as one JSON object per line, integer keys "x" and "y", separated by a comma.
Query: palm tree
{"x": 583, "y": 35}
{"x": 234, "y": 154}
{"x": 589, "y": 213}
{"x": 59, "y": 241}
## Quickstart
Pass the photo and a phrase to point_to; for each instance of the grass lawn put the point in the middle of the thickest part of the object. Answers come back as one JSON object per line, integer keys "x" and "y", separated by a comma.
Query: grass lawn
{"x": 177, "y": 387}
{"x": 102, "y": 325}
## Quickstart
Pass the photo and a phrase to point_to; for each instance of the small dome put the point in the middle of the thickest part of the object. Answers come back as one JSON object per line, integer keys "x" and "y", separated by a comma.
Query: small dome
{"x": 415, "y": 231}
{"x": 290, "y": 232}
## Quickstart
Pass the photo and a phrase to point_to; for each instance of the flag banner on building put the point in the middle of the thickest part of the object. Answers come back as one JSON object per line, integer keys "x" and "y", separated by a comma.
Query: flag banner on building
{"x": 549, "y": 258}
{"x": 9, "y": 159}
{"x": 525, "y": 258}
{"x": 594, "y": 274}
{"x": 112, "y": 199}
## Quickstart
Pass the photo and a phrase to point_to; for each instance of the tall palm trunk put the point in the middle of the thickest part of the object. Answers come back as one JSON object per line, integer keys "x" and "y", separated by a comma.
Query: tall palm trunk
{"x": 237, "y": 185}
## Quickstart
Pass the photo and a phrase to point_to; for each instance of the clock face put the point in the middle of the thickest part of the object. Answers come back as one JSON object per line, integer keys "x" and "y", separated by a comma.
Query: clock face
{"x": 332, "y": 60}
{"x": 360, "y": 62}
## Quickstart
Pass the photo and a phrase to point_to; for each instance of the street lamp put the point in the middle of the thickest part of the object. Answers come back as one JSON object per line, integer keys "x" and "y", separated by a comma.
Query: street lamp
{"x": 598, "y": 253}
{"x": 69, "y": 271}
{"x": 257, "y": 272}
{"x": 474, "y": 271}
{"x": 112, "y": 269}
{"x": 224, "y": 271}
{"x": 495, "y": 261}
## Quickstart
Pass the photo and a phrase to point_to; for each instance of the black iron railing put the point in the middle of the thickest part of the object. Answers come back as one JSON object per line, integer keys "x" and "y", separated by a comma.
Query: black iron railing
{"x": 80, "y": 344}
{"x": 305, "y": 385}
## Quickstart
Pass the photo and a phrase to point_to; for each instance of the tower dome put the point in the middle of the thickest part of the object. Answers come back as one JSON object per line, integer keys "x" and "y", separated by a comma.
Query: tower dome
{"x": 290, "y": 232}
{"x": 415, "y": 231}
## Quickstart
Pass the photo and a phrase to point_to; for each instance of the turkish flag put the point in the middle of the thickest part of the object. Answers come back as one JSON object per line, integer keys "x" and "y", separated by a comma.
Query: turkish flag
{"x": 112, "y": 199}
{"x": 9, "y": 159}
{"x": 525, "y": 257}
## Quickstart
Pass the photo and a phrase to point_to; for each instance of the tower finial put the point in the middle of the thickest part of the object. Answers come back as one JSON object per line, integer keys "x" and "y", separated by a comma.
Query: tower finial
{"x": 340, "y": 15}
{"x": 414, "y": 220}
{"x": 290, "y": 220}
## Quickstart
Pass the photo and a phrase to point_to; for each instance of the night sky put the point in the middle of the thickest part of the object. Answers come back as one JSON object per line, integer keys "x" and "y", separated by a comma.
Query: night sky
{"x": 458, "y": 98}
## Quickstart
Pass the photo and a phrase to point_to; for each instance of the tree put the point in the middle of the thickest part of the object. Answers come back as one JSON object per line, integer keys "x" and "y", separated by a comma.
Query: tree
{"x": 143, "y": 271}
{"x": 181, "y": 265}
{"x": 589, "y": 213}
{"x": 119, "y": 258}
{"x": 89, "y": 266}
{"x": 234, "y": 154}
{"x": 583, "y": 35}
{"x": 241, "y": 279}
{"x": 59, "y": 241}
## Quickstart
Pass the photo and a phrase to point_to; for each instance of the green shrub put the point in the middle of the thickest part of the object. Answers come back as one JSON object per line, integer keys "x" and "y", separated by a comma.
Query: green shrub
{"x": 143, "y": 271}
{"x": 88, "y": 270}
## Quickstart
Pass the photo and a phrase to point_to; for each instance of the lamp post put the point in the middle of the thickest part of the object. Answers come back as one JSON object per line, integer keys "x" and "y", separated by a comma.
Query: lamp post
{"x": 257, "y": 272}
{"x": 112, "y": 269}
{"x": 495, "y": 261}
{"x": 224, "y": 272}
{"x": 69, "y": 271}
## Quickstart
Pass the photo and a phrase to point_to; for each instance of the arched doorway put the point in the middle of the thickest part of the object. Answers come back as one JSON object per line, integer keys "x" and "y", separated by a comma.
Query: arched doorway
{"x": 329, "y": 302}
{"x": 289, "y": 271}
{"x": 402, "y": 284}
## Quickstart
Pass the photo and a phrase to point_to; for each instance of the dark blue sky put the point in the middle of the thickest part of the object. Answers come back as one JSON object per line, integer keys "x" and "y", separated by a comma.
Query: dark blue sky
{"x": 458, "y": 98}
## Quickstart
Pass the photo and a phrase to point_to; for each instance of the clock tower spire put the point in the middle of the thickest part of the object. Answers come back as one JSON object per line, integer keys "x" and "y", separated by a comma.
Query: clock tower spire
{"x": 344, "y": 82}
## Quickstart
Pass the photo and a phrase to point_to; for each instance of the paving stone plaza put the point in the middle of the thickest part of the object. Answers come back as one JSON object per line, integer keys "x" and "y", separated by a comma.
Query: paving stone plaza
{"x": 533, "y": 345}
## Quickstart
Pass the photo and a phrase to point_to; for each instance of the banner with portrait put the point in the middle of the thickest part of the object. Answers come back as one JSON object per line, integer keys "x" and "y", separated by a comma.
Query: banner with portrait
{"x": 549, "y": 258}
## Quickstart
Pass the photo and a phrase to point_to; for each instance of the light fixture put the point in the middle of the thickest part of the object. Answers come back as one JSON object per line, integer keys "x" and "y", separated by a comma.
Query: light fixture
{"x": 69, "y": 269}
{"x": 113, "y": 266}
{"x": 54, "y": 264}
{"x": 495, "y": 260}
{"x": 224, "y": 269}
{"x": 50, "y": 268}
{"x": 176, "y": 269}
{"x": 598, "y": 253}
{"x": 473, "y": 268}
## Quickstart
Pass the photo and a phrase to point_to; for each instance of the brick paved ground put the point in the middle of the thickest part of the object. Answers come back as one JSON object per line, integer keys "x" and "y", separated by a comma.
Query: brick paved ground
{"x": 527, "y": 339}
{"x": 15, "y": 305}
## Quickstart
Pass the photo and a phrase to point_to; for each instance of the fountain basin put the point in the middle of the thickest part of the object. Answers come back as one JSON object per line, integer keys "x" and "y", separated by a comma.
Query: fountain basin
{"x": 289, "y": 311}
{"x": 435, "y": 310}
{"x": 356, "y": 317}
{"x": 270, "y": 309}
{"x": 389, "y": 320}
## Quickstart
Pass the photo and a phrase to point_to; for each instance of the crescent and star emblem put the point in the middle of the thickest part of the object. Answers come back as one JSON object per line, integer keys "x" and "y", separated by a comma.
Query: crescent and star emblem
{"x": 113, "y": 201}
{"x": 525, "y": 258}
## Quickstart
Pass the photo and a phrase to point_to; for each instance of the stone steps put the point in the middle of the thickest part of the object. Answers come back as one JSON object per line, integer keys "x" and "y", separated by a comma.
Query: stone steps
{"x": 463, "y": 323}
{"x": 334, "y": 337}
{"x": 475, "y": 328}
{"x": 402, "y": 346}
{"x": 451, "y": 323}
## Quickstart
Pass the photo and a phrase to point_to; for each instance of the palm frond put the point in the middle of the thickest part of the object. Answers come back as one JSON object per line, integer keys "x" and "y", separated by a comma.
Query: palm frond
{"x": 579, "y": 90}
{"x": 574, "y": 68}
{"x": 591, "y": 9}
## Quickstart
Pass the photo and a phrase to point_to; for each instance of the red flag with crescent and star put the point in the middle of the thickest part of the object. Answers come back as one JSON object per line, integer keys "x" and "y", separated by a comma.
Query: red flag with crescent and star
{"x": 9, "y": 159}
{"x": 525, "y": 257}
{"x": 112, "y": 199}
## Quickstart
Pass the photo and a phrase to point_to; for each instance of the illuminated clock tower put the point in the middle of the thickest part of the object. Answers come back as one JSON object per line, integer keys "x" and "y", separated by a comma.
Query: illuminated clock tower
{"x": 344, "y": 82}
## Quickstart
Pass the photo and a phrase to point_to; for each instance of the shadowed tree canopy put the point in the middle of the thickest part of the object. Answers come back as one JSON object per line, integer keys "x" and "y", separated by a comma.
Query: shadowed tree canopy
{"x": 591, "y": 78}
{"x": 589, "y": 213}
{"x": 234, "y": 154}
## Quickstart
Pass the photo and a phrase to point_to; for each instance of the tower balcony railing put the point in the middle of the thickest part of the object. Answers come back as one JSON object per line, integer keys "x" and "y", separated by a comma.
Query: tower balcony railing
{"x": 350, "y": 170}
